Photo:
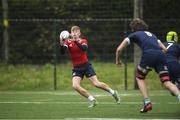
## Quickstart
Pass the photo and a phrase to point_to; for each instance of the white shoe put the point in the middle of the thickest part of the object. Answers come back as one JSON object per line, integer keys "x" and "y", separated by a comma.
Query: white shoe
{"x": 93, "y": 103}
{"x": 116, "y": 97}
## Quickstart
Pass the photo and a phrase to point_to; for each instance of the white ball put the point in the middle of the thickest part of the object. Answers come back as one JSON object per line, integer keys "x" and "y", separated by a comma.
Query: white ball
{"x": 64, "y": 35}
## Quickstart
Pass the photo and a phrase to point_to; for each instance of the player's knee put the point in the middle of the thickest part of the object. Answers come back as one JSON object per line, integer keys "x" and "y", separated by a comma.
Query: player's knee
{"x": 140, "y": 75}
{"x": 75, "y": 86}
{"x": 164, "y": 77}
{"x": 167, "y": 84}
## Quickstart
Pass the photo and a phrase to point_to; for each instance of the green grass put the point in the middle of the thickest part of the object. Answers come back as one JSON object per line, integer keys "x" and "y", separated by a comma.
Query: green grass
{"x": 69, "y": 104}
{"x": 40, "y": 77}
{"x": 26, "y": 92}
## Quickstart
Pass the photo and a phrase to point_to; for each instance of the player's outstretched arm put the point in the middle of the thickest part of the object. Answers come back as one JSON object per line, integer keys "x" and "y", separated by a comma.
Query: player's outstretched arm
{"x": 119, "y": 50}
{"x": 164, "y": 49}
{"x": 83, "y": 47}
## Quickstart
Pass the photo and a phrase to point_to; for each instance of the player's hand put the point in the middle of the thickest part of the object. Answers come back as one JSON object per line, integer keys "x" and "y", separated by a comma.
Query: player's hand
{"x": 164, "y": 51}
{"x": 73, "y": 37}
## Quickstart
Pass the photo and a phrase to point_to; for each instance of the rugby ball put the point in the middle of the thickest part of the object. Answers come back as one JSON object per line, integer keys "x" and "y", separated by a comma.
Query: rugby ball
{"x": 64, "y": 35}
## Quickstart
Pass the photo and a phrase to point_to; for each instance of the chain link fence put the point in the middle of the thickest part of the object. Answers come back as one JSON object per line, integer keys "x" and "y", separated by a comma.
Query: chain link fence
{"x": 34, "y": 27}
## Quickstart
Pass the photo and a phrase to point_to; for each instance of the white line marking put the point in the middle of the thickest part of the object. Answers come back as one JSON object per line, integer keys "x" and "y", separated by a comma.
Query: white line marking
{"x": 94, "y": 119}
{"x": 113, "y": 119}
{"x": 160, "y": 93}
{"x": 105, "y": 103}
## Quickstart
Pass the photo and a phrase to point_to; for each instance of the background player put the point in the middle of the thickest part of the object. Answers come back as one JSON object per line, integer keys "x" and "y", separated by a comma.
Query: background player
{"x": 152, "y": 57}
{"x": 172, "y": 56}
{"x": 77, "y": 49}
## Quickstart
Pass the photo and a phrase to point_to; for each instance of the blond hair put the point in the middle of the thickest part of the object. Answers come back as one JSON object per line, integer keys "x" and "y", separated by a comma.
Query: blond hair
{"x": 74, "y": 28}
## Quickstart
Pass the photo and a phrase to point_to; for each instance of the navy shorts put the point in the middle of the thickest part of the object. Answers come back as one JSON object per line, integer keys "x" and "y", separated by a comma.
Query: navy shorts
{"x": 83, "y": 69}
{"x": 153, "y": 59}
{"x": 174, "y": 71}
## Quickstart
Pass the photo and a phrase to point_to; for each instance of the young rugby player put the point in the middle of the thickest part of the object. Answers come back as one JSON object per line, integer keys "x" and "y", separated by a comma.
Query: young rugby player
{"x": 173, "y": 55}
{"x": 81, "y": 66}
{"x": 152, "y": 57}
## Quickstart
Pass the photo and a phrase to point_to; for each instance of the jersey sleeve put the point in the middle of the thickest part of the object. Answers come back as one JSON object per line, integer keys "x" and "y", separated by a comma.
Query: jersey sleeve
{"x": 84, "y": 42}
{"x": 132, "y": 37}
{"x": 127, "y": 40}
{"x": 66, "y": 44}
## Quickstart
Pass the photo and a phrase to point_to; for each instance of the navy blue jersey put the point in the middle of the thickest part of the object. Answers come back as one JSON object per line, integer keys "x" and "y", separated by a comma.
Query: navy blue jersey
{"x": 152, "y": 56}
{"x": 173, "y": 52}
{"x": 145, "y": 40}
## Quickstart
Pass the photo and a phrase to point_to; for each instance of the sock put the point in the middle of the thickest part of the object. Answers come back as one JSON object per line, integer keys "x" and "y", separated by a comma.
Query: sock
{"x": 91, "y": 98}
{"x": 178, "y": 97}
{"x": 146, "y": 101}
{"x": 111, "y": 91}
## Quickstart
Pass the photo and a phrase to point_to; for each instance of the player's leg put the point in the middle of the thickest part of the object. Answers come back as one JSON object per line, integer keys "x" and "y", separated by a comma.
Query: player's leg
{"x": 173, "y": 80}
{"x": 140, "y": 77}
{"x": 142, "y": 87}
{"x": 161, "y": 68}
{"x": 172, "y": 88}
{"x": 77, "y": 86}
{"x": 174, "y": 73}
{"x": 78, "y": 74}
{"x": 90, "y": 73}
{"x": 105, "y": 87}
{"x": 178, "y": 83}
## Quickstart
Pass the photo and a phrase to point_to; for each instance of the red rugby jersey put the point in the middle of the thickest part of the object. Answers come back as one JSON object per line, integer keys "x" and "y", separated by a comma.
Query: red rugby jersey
{"x": 77, "y": 55}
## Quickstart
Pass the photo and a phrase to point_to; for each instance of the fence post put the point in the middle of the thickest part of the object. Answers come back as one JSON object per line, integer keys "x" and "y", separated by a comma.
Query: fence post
{"x": 5, "y": 31}
{"x": 138, "y": 13}
{"x": 55, "y": 56}
{"x": 125, "y": 57}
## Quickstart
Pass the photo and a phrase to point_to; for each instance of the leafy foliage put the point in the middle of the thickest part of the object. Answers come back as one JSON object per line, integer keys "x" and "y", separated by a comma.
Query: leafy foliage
{"x": 35, "y": 25}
